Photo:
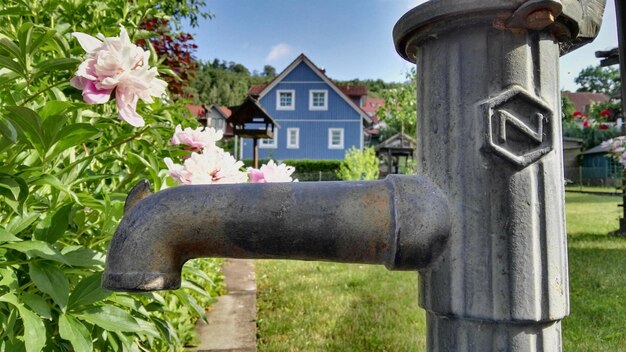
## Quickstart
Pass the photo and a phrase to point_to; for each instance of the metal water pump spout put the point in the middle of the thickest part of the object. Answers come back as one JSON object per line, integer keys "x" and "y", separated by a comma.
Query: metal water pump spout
{"x": 484, "y": 225}
{"x": 401, "y": 222}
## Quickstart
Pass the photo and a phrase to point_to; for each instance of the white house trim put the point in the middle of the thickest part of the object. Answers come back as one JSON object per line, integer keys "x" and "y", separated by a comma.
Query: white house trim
{"x": 293, "y": 144}
{"x": 331, "y": 131}
{"x": 293, "y": 99}
{"x": 312, "y": 93}
{"x": 263, "y": 142}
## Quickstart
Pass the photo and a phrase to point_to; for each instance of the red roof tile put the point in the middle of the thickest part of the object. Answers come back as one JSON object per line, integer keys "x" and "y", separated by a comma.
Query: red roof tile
{"x": 583, "y": 99}
{"x": 256, "y": 90}
{"x": 196, "y": 110}
{"x": 353, "y": 91}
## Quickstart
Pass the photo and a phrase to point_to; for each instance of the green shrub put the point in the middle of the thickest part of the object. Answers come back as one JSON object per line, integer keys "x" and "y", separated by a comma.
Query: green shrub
{"x": 359, "y": 165}
{"x": 65, "y": 170}
{"x": 307, "y": 169}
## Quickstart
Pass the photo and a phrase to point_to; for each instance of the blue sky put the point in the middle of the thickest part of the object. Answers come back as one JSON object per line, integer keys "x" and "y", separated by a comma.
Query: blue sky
{"x": 350, "y": 38}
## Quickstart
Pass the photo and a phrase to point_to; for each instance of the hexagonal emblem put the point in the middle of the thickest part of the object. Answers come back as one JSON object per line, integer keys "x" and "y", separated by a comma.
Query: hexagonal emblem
{"x": 518, "y": 126}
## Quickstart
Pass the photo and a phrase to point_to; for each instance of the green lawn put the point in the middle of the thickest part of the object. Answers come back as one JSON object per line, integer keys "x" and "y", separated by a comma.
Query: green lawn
{"x": 313, "y": 306}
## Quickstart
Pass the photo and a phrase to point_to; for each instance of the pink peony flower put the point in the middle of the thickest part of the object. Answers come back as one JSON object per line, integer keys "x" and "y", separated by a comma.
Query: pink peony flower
{"x": 213, "y": 166}
{"x": 196, "y": 139}
{"x": 271, "y": 172}
{"x": 115, "y": 64}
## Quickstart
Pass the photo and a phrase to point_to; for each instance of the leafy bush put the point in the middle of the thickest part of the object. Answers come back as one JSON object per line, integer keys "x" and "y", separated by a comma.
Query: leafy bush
{"x": 359, "y": 165}
{"x": 65, "y": 170}
{"x": 591, "y": 136}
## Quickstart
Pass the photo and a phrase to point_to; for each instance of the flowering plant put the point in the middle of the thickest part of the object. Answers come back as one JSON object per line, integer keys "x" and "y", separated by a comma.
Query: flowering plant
{"x": 210, "y": 164}
{"x": 117, "y": 65}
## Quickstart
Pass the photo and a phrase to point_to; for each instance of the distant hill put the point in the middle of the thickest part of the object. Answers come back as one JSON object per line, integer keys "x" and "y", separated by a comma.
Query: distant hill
{"x": 226, "y": 83}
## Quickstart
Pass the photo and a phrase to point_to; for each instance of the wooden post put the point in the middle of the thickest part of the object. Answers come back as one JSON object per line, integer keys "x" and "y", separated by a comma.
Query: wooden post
{"x": 255, "y": 156}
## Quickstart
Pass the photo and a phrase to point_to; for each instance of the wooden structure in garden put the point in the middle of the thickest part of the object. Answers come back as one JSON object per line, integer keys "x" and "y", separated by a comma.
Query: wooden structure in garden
{"x": 250, "y": 120}
{"x": 393, "y": 149}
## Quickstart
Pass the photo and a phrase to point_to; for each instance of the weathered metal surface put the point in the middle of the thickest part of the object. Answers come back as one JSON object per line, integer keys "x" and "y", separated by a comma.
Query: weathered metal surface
{"x": 401, "y": 222}
{"x": 490, "y": 137}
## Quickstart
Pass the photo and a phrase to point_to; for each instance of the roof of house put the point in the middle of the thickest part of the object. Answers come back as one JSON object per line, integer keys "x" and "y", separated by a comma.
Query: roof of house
{"x": 198, "y": 111}
{"x": 597, "y": 149}
{"x": 258, "y": 91}
{"x": 352, "y": 90}
{"x": 399, "y": 141}
{"x": 371, "y": 108}
{"x": 248, "y": 112}
{"x": 582, "y": 99}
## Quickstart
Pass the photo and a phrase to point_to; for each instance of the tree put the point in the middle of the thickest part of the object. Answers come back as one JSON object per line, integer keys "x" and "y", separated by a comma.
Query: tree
{"x": 567, "y": 108}
{"x": 599, "y": 79}
{"x": 359, "y": 165}
{"x": 400, "y": 109}
{"x": 269, "y": 71}
{"x": 176, "y": 51}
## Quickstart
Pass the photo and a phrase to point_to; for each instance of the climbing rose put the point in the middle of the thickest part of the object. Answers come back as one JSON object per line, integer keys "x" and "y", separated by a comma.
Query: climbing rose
{"x": 196, "y": 139}
{"x": 115, "y": 64}
{"x": 213, "y": 166}
{"x": 271, "y": 172}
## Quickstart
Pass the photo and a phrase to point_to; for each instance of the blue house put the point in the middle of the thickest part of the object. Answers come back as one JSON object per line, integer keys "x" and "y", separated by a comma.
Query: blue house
{"x": 318, "y": 119}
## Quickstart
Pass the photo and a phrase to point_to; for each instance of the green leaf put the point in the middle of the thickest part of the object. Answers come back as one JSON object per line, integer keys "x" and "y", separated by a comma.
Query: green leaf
{"x": 88, "y": 291}
{"x": 11, "y": 65}
{"x": 82, "y": 257}
{"x": 31, "y": 125}
{"x": 54, "y": 225}
{"x": 36, "y": 249}
{"x": 44, "y": 38}
{"x": 20, "y": 223}
{"x": 51, "y": 280}
{"x": 34, "y": 329}
{"x": 73, "y": 135}
{"x": 8, "y": 131}
{"x": 55, "y": 107}
{"x": 9, "y": 279}
{"x": 37, "y": 304}
{"x": 24, "y": 36}
{"x": 110, "y": 318}
{"x": 53, "y": 181}
{"x": 189, "y": 301}
{"x": 6, "y": 236}
{"x": 13, "y": 50}
{"x": 58, "y": 64}
{"x": 75, "y": 332}
{"x": 11, "y": 185}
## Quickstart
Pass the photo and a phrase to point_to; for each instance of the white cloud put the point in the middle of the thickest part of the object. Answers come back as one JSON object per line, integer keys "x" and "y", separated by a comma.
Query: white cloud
{"x": 278, "y": 52}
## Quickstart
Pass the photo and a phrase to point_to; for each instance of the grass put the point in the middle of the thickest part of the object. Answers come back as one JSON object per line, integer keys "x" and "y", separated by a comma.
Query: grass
{"x": 592, "y": 189}
{"x": 597, "y": 281}
{"x": 314, "y": 306}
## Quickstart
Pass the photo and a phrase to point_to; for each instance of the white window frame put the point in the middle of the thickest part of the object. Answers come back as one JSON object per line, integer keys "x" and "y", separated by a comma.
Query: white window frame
{"x": 311, "y": 93}
{"x": 291, "y": 145}
{"x": 293, "y": 99}
{"x": 330, "y": 138}
{"x": 263, "y": 144}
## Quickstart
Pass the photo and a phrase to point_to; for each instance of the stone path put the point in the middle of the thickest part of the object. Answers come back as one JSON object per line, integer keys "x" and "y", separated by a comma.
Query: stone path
{"x": 232, "y": 320}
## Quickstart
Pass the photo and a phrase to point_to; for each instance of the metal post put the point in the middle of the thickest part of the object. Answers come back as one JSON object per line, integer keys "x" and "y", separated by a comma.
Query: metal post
{"x": 621, "y": 37}
{"x": 490, "y": 136}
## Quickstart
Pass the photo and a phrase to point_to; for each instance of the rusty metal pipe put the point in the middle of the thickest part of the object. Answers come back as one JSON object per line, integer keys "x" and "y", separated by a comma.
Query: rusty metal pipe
{"x": 401, "y": 222}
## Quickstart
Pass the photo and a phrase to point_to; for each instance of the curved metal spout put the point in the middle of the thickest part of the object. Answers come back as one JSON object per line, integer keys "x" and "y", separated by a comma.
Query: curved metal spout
{"x": 401, "y": 222}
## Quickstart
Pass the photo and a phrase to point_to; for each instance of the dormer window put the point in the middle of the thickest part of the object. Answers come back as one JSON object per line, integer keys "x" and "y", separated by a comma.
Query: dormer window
{"x": 318, "y": 100}
{"x": 285, "y": 99}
